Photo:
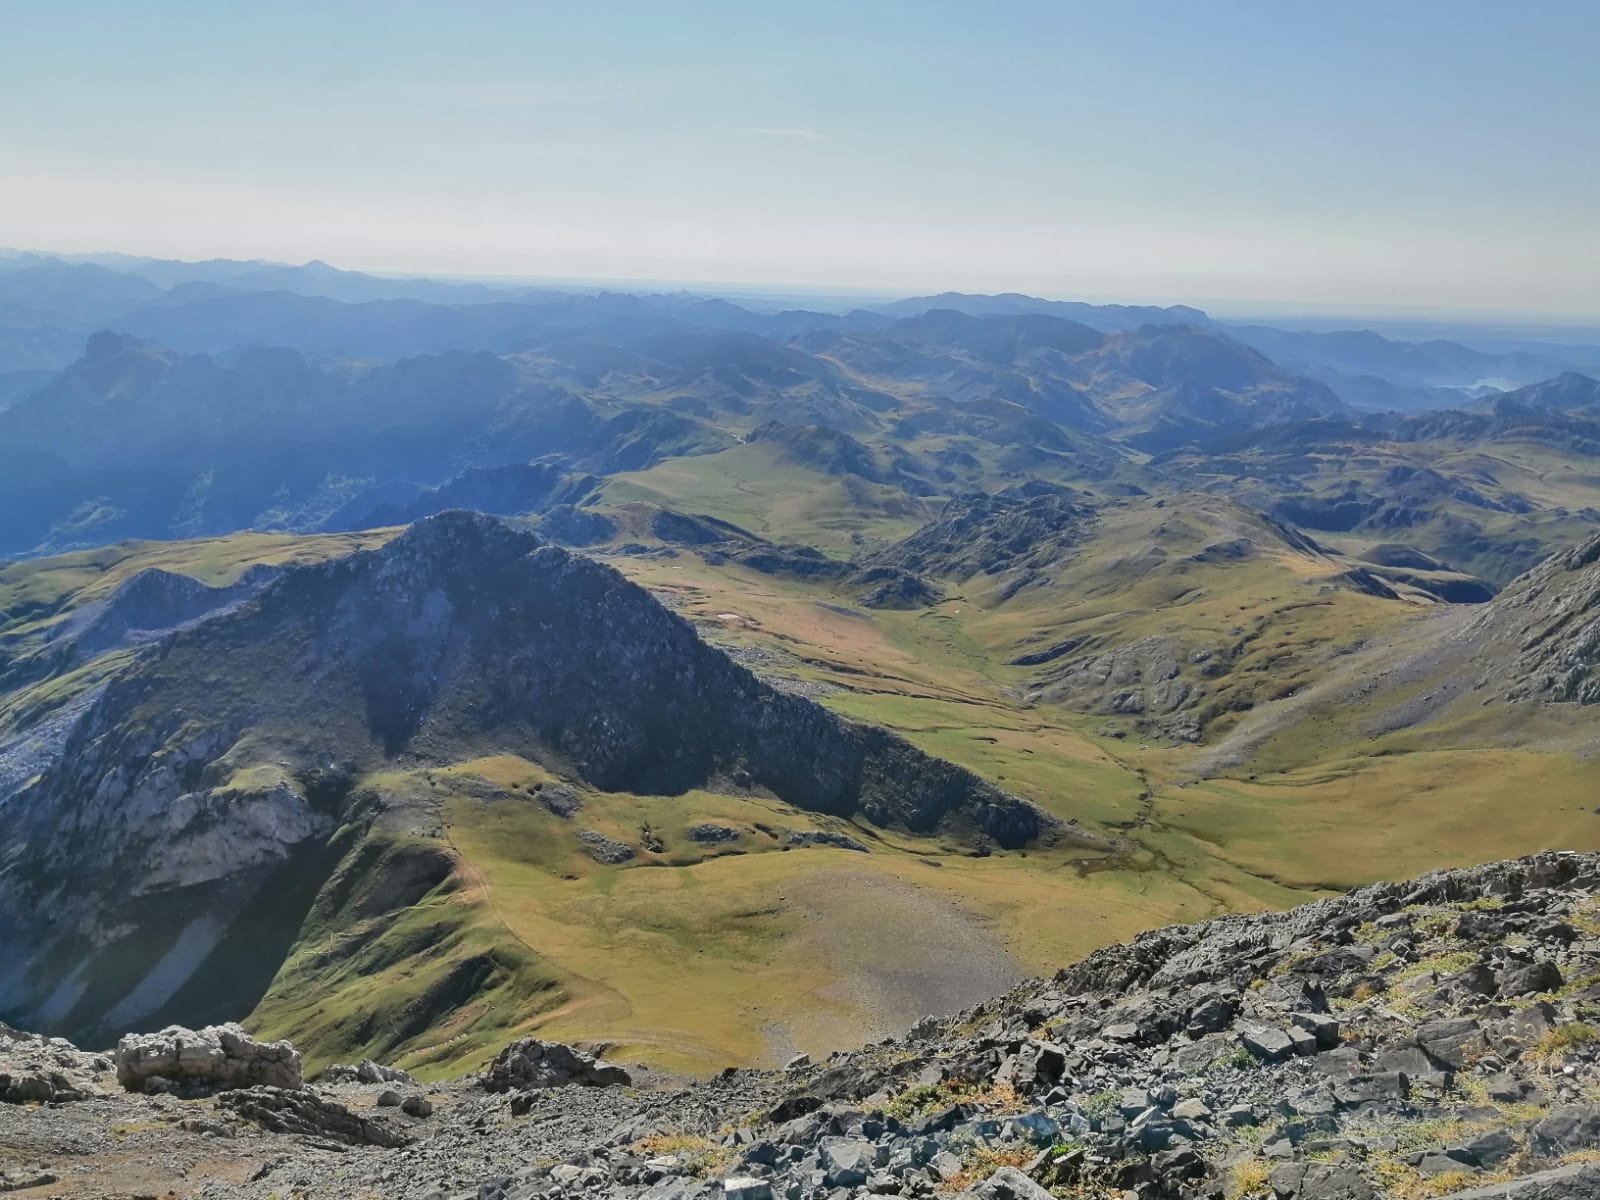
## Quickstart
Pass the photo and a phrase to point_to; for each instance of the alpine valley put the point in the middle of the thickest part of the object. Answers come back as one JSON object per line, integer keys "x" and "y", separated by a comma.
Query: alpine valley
{"x": 503, "y": 682}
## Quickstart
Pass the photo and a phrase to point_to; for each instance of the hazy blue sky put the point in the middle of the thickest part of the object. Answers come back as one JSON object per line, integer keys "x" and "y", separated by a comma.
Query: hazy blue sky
{"x": 1408, "y": 152}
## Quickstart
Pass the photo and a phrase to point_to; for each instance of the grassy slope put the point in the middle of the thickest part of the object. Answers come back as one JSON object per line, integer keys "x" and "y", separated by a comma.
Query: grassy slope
{"x": 516, "y": 929}
{"x": 752, "y": 486}
{"x": 1384, "y": 810}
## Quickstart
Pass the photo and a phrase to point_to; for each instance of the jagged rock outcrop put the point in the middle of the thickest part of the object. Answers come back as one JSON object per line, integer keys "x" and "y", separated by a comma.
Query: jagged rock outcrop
{"x": 1019, "y": 533}
{"x": 215, "y": 1058}
{"x": 1142, "y": 677}
{"x": 530, "y": 1063}
{"x": 891, "y": 587}
{"x": 1377, "y": 1040}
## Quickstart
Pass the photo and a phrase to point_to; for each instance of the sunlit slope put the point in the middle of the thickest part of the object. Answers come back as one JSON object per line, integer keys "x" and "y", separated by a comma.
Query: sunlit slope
{"x": 454, "y": 908}
{"x": 755, "y": 487}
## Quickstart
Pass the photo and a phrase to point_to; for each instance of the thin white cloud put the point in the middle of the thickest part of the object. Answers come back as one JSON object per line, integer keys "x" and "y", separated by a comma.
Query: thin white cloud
{"x": 600, "y": 89}
{"x": 797, "y": 132}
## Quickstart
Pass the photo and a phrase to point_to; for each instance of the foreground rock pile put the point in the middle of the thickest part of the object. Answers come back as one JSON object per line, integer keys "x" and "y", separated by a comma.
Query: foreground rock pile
{"x": 1433, "y": 1038}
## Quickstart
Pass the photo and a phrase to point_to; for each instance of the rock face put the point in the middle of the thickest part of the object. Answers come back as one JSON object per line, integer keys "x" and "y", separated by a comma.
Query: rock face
{"x": 1552, "y": 616}
{"x": 215, "y": 1058}
{"x": 530, "y": 1063}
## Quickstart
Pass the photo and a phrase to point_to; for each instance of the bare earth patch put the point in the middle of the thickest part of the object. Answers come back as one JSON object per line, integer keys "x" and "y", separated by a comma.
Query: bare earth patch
{"x": 896, "y": 952}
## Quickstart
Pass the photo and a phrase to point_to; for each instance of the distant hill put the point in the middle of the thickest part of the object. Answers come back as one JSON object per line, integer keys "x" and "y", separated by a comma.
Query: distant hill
{"x": 1522, "y": 668}
{"x": 1569, "y": 392}
{"x": 1104, "y": 317}
{"x": 136, "y": 440}
{"x": 1155, "y": 385}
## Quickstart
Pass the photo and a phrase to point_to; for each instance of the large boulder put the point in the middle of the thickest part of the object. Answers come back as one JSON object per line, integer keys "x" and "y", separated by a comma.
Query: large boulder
{"x": 211, "y": 1059}
{"x": 530, "y": 1063}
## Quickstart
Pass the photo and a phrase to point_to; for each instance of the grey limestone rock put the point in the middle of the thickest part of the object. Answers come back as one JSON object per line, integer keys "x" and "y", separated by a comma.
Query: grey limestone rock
{"x": 531, "y": 1063}
{"x": 284, "y": 1110}
{"x": 210, "y": 1059}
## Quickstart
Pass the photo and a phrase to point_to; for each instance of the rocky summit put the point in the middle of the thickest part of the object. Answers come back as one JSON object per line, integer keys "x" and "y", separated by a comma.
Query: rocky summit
{"x": 1435, "y": 1037}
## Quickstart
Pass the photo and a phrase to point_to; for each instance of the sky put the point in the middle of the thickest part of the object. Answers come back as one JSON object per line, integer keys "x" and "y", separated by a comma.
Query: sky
{"x": 1428, "y": 154}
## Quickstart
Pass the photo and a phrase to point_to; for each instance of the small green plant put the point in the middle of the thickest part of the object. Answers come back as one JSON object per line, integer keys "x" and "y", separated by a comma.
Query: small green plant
{"x": 1435, "y": 924}
{"x": 914, "y": 1100}
{"x": 1585, "y": 917}
{"x": 1101, "y": 1104}
{"x": 1237, "y": 1057}
{"x": 984, "y": 1162}
{"x": 700, "y": 1156}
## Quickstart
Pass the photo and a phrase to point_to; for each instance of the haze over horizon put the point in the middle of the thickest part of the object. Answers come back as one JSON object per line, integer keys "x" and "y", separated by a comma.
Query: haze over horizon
{"x": 1435, "y": 157}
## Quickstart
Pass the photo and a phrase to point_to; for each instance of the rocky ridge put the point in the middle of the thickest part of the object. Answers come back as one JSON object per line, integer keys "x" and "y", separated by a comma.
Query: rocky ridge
{"x": 1016, "y": 536}
{"x": 1438, "y": 1037}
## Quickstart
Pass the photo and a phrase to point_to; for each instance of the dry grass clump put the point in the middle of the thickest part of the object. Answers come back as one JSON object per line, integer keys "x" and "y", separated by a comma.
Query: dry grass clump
{"x": 1248, "y": 1180}
{"x": 1562, "y": 1040}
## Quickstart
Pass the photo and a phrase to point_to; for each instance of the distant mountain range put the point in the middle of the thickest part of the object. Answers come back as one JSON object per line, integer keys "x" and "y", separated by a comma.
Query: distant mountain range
{"x": 48, "y": 304}
{"x": 282, "y": 411}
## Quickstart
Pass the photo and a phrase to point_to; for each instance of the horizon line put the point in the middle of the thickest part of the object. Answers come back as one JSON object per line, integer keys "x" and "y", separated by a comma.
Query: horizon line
{"x": 1237, "y": 309}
